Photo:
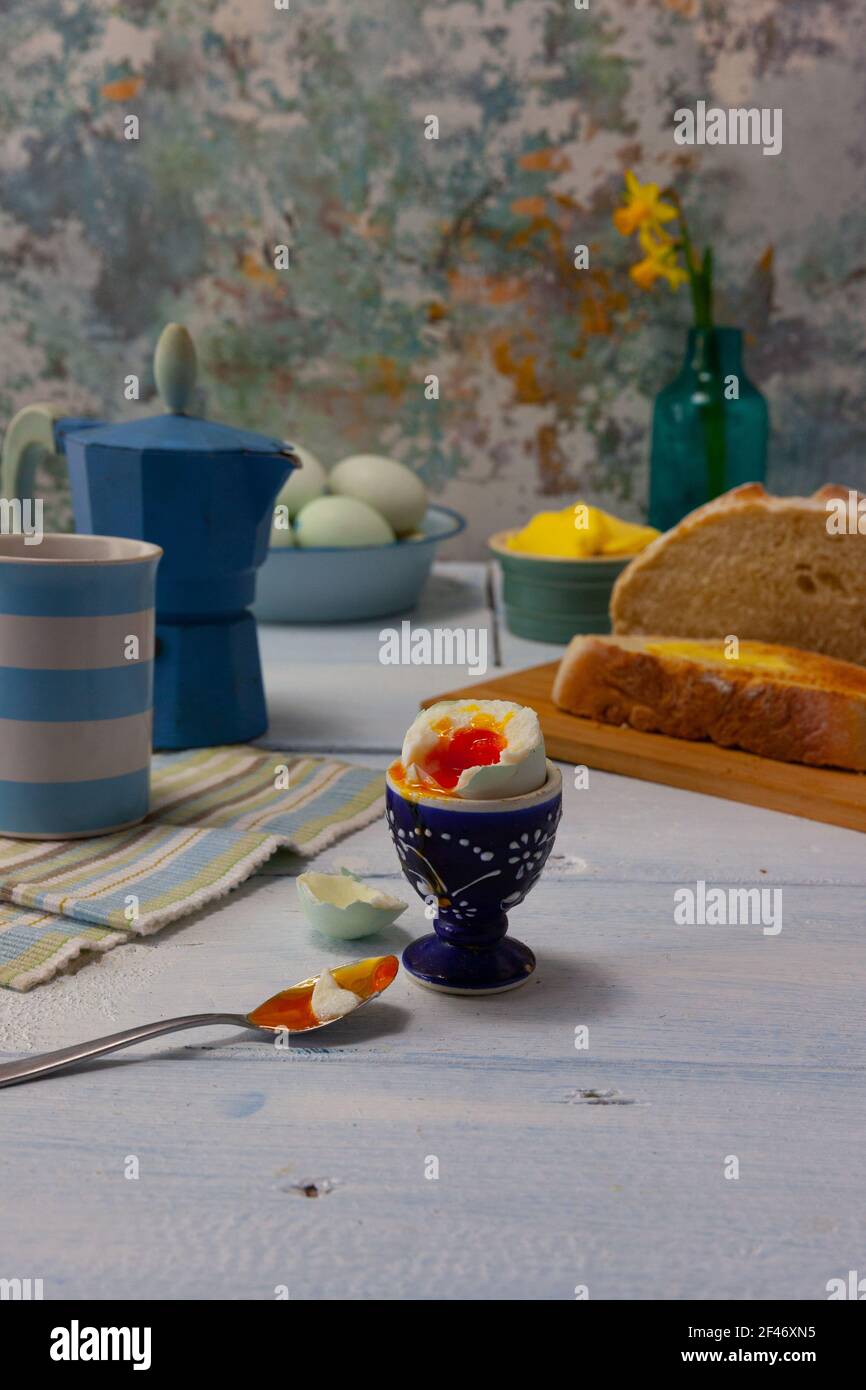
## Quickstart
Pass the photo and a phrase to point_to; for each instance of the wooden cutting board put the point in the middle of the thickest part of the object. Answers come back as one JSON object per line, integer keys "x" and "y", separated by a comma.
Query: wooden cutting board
{"x": 839, "y": 798}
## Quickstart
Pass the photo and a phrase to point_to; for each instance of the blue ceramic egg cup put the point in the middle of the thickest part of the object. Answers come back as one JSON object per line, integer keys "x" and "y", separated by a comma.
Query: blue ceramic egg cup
{"x": 471, "y": 861}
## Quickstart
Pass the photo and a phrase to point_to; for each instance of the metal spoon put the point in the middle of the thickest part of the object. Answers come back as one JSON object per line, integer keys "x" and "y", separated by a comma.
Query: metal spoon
{"x": 371, "y": 976}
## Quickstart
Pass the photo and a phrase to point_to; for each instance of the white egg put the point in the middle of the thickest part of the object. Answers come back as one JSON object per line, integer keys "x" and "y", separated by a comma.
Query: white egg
{"x": 343, "y": 906}
{"x": 390, "y": 487}
{"x": 302, "y": 484}
{"x": 522, "y": 763}
{"x": 341, "y": 521}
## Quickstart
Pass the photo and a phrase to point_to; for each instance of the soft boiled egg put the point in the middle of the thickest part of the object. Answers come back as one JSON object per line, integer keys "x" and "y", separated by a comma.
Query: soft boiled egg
{"x": 475, "y": 749}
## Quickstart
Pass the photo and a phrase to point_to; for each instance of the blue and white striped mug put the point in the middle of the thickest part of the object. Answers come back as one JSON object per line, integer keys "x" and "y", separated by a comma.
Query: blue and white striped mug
{"x": 76, "y": 684}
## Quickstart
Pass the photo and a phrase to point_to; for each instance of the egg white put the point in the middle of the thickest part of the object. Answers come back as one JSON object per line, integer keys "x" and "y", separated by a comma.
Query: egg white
{"x": 329, "y": 1000}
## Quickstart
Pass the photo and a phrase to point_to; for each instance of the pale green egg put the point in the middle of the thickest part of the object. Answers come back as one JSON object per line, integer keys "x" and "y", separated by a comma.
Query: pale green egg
{"x": 390, "y": 487}
{"x": 302, "y": 485}
{"x": 341, "y": 521}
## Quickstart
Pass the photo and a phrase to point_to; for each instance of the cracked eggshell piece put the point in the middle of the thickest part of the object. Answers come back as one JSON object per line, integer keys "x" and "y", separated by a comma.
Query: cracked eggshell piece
{"x": 342, "y": 906}
{"x": 522, "y": 765}
{"x": 329, "y": 1000}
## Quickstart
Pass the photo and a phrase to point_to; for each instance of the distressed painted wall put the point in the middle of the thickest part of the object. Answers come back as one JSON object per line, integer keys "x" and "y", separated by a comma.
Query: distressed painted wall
{"x": 414, "y": 256}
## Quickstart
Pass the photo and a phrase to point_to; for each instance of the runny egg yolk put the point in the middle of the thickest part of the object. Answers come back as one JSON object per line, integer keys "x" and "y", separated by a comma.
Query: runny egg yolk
{"x": 479, "y": 743}
{"x": 464, "y": 748}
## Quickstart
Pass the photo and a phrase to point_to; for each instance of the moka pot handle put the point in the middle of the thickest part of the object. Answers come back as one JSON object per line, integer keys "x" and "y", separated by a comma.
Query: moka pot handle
{"x": 34, "y": 434}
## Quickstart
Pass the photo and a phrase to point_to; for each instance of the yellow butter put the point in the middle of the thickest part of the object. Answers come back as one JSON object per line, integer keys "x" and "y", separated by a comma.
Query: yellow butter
{"x": 580, "y": 532}
{"x": 549, "y": 533}
{"x": 714, "y": 652}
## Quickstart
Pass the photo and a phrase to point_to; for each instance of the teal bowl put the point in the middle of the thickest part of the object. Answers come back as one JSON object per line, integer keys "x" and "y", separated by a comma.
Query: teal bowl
{"x": 553, "y": 600}
{"x": 344, "y": 584}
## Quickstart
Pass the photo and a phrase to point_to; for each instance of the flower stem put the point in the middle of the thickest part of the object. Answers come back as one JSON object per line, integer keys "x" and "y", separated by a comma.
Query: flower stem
{"x": 700, "y": 275}
{"x": 712, "y": 409}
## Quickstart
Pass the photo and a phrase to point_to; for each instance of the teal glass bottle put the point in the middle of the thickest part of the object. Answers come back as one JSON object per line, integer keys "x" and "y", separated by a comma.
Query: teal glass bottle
{"x": 710, "y": 427}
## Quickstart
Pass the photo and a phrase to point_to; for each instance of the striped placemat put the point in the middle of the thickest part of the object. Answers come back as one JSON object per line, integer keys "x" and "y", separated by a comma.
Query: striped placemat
{"x": 216, "y": 815}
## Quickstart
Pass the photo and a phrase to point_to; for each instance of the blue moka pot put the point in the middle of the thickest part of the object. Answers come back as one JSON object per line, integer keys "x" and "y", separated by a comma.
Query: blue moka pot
{"x": 205, "y": 493}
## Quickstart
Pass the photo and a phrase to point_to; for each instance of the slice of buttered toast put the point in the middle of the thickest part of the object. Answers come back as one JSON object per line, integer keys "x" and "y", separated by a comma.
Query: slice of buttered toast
{"x": 775, "y": 701}
{"x": 789, "y": 570}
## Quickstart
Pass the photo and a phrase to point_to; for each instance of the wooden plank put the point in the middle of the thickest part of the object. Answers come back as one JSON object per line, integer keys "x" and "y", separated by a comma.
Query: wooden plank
{"x": 822, "y": 794}
{"x": 629, "y": 1199}
{"x": 724, "y": 1041}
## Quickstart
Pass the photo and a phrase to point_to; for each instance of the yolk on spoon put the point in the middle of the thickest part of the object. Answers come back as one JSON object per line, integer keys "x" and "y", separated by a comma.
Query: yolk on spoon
{"x": 291, "y": 1008}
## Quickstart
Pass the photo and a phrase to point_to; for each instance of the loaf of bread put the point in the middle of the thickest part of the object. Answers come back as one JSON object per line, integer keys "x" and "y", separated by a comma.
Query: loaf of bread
{"x": 761, "y": 568}
{"x": 775, "y": 701}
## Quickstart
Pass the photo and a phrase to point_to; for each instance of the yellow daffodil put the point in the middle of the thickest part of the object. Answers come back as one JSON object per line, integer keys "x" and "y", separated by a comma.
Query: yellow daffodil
{"x": 643, "y": 206}
{"x": 644, "y": 212}
{"x": 660, "y": 260}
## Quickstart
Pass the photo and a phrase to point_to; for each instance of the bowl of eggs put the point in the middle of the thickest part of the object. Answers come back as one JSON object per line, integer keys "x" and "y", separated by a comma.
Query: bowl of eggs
{"x": 354, "y": 543}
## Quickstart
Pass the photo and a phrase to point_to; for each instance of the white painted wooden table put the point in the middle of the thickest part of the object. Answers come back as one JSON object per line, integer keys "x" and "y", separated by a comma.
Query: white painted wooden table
{"x": 557, "y": 1166}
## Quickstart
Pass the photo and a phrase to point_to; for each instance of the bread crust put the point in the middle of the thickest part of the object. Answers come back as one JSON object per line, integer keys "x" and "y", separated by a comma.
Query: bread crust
{"x": 813, "y": 711}
{"x": 758, "y": 567}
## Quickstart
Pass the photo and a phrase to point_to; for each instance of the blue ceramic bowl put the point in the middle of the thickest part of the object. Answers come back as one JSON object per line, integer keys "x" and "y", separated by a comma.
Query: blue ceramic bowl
{"x": 332, "y": 584}
{"x": 471, "y": 862}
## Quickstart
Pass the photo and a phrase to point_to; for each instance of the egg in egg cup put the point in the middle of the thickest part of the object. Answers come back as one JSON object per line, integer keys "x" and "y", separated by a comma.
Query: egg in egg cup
{"x": 472, "y": 861}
